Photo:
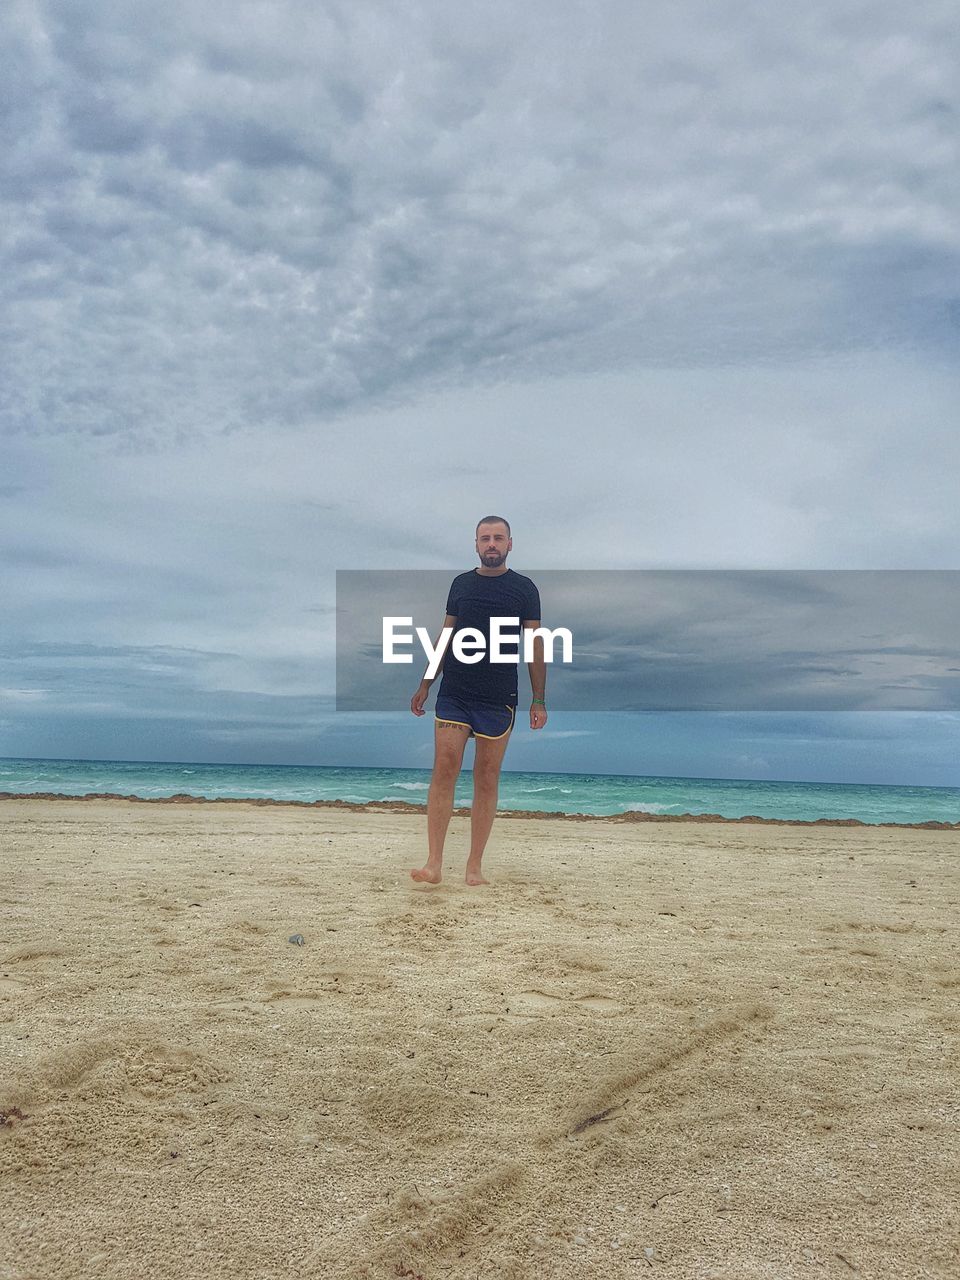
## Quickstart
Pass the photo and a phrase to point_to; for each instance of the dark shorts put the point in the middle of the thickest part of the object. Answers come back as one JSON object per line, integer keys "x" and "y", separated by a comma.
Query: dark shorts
{"x": 483, "y": 719}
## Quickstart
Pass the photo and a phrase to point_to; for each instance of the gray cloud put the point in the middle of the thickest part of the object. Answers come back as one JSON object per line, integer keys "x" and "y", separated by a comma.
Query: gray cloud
{"x": 215, "y": 223}
{"x": 46, "y": 683}
{"x": 289, "y": 288}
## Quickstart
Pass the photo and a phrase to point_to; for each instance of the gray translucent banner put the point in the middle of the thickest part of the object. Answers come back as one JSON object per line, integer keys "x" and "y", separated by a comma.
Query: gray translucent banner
{"x": 689, "y": 640}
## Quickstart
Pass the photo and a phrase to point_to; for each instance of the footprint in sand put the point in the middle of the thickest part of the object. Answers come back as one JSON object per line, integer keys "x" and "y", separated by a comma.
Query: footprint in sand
{"x": 32, "y": 952}
{"x": 539, "y": 1004}
{"x": 336, "y": 984}
{"x": 295, "y": 999}
{"x": 279, "y": 999}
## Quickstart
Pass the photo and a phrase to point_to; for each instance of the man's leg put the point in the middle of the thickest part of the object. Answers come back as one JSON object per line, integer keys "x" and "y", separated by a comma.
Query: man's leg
{"x": 486, "y": 782}
{"x": 449, "y": 742}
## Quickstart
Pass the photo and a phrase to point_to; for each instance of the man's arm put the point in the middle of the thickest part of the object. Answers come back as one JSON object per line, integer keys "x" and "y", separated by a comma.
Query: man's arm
{"x": 420, "y": 697}
{"x": 538, "y": 678}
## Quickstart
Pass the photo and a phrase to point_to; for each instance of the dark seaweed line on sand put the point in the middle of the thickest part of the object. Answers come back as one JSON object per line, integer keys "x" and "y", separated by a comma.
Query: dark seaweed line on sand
{"x": 404, "y": 806}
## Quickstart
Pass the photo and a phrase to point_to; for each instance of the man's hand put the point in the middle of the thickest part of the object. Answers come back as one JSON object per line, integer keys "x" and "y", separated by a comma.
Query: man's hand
{"x": 538, "y": 676}
{"x": 419, "y": 698}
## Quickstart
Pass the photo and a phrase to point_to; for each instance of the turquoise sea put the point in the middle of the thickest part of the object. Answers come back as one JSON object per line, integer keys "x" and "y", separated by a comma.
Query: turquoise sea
{"x": 600, "y": 794}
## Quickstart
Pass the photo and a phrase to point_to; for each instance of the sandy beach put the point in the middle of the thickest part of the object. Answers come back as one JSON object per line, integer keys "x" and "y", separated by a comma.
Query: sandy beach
{"x": 708, "y": 1050}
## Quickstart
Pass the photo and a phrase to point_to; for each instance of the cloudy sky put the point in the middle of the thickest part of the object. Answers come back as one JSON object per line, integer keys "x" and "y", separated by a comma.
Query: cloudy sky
{"x": 294, "y": 287}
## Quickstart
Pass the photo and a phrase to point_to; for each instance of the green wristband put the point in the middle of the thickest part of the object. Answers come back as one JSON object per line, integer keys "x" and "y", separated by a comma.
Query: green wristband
{"x": 541, "y": 701}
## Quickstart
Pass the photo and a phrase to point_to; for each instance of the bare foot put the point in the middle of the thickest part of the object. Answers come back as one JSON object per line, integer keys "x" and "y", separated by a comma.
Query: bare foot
{"x": 428, "y": 874}
{"x": 474, "y": 877}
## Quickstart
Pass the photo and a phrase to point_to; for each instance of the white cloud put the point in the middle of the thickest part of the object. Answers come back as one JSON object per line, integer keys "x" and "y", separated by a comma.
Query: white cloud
{"x": 219, "y": 221}
{"x": 286, "y": 289}
{"x": 566, "y": 733}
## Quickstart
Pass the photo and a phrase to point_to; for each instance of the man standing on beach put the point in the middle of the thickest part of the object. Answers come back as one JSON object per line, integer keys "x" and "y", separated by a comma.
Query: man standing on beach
{"x": 478, "y": 700}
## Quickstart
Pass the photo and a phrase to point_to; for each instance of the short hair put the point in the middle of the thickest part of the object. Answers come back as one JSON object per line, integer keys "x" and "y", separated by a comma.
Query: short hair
{"x": 493, "y": 520}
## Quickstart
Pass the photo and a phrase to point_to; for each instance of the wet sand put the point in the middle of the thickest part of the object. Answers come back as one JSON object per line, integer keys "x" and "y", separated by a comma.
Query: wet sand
{"x": 687, "y": 1049}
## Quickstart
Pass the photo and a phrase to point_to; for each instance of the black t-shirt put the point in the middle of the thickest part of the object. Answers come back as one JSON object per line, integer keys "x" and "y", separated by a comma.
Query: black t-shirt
{"x": 474, "y": 599}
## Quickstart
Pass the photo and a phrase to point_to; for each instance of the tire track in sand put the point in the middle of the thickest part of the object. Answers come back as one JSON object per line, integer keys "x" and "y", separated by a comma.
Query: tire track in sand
{"x": 468, "y": 1230}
